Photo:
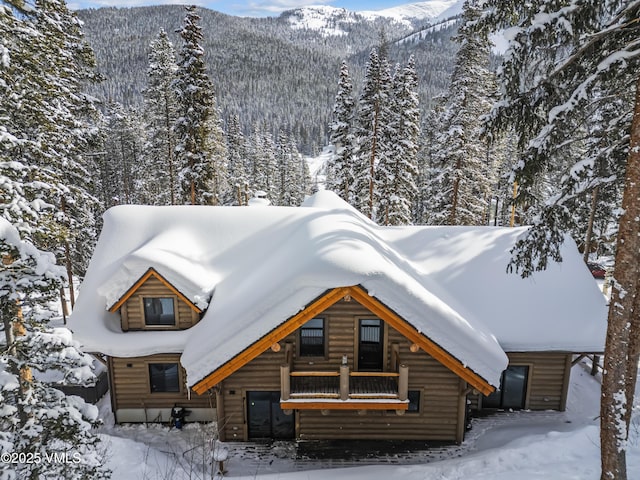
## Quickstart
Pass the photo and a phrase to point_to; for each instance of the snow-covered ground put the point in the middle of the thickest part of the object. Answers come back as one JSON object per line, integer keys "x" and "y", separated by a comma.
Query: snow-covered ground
{"x": 508, "y": 446}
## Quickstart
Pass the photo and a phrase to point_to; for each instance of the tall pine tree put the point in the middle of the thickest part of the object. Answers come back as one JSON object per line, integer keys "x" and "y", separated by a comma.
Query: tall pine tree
{"x": 200, "y": 150}
{"x": 460, "y": 169}
{"x": 340, "y": 168}
{"x": 397, "y": 172}
{"x": 160, "y": 114}
{"x": 373, "y": 132}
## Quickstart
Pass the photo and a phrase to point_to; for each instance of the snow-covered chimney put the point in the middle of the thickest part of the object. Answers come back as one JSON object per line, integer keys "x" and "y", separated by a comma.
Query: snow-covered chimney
{"x": 259, "y": 199}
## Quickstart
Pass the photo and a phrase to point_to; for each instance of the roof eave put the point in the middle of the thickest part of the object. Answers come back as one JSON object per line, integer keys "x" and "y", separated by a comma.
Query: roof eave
{"x": 320, "y": 304}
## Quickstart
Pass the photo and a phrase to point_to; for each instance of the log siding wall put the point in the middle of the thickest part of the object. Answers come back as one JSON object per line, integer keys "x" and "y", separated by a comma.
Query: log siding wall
{"x": 439, "y": 387}
{"x": 130, "y": 385}
{"x": 132, "y": 312}
{"x": 548, "y": 379}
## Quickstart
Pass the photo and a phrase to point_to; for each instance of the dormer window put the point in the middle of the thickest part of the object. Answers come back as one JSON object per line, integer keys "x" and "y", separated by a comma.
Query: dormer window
{"x": 159, "y": 311}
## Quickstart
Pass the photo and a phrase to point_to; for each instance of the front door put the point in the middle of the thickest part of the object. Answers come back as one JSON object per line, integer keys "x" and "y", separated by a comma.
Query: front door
{"x": 370, "y": 345}
{"x": 266, "y": 420}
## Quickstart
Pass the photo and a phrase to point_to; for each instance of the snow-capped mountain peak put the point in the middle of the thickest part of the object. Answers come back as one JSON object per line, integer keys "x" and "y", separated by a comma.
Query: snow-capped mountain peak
{"x": 430, "y": 10}
{"x": 322, "y": 18}
{"x": 331, "y": 21}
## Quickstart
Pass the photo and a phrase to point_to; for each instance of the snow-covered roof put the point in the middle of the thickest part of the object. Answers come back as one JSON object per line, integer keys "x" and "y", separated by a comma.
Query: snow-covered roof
{"x": 256, "y": 267}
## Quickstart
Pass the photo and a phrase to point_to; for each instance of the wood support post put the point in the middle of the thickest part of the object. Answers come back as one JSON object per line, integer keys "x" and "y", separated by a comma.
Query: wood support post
{"x": 462, "y": 412}
{"x": 220, "y": 413}
{"x": 403, "y": 383}
{"x": 288, "y": 354}
{"x": 344, "y": 382}
{"x": 395, "y": 356}
{"x": 285, "y": 382}
{"x": 595, "y": 364}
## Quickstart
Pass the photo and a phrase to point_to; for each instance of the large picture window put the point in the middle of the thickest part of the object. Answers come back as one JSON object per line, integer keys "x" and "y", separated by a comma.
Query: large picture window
{"x": 164, "y": 377}
{"x": 513, "y": 389}
{"x": 159, "y": 311}
{"x": 312, "y": 338}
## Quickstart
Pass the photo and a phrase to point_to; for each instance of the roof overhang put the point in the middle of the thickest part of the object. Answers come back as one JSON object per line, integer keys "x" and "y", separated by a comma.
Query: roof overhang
{"x": 321, "y": 304}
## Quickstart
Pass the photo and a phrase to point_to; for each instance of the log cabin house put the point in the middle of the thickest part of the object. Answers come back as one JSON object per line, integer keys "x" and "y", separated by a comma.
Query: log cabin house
{"x": 316, "y": 323}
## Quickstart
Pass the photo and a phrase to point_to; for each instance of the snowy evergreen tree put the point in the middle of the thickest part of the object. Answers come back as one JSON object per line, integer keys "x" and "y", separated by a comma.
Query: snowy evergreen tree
{"x": 421, "y": 209}
{"x": 44, "y": 52}
{"x": 37, "y": 420}
{"x": 294, "y": 177}
{"x": 49, "y": 126}
{"x": 21, "y": 199}
{"x": 18, "y": 149}
{"x": 236, "y": 164}
{"x": 567, "y": 64}
{"x": 286, "y": 171}
{"x": 340, "y": 169}
{"x": 303, "y": 185}
{"x": 160, "y": 112}
{"x": 502, "y": 155}
{"x": 216, "y": 145}
{"x": 373, "y": 132}
{"x": 264, "y": 169}
{"x": 122, "y": 160}
{"x": 397, "y": 173}
{"x": 200, "y": 150}
{"x": 460, "y": 167}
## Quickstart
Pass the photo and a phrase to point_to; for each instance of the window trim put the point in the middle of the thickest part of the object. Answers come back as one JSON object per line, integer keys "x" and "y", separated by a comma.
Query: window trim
{"x": 174, "y": 326}
{"x": 325, "y": 336}
{"x": 385, "y": 340}
{"x": 180, "y": 390}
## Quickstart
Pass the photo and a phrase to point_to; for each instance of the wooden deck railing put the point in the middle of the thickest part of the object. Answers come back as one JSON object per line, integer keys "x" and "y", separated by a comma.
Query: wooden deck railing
{"x": 344, "y": 384}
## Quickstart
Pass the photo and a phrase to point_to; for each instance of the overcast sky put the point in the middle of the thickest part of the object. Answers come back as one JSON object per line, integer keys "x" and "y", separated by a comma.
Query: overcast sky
{"x": 252, "y": 8}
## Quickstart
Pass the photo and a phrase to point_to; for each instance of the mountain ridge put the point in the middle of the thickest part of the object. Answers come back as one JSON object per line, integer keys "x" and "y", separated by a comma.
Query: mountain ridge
{"x": 263, "y": 69}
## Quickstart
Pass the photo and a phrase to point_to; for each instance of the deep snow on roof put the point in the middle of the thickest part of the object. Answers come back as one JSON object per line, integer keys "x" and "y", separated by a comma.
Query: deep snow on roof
{"x": 255, "y": 267}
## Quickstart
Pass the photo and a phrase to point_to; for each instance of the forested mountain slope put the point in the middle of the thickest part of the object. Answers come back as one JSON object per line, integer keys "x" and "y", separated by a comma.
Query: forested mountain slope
{"x": 277, "y": 70}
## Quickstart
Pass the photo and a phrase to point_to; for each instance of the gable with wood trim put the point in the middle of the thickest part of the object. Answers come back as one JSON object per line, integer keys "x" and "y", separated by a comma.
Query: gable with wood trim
{"x": 309, "y": 398}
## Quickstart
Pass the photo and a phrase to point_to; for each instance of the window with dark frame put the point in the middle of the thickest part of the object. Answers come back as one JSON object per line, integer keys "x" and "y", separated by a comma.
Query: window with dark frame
{"x": 414, "y": 401}
{"x": 164, "y": 377}
{"x": 312, "y": 338}
{"x": 159, "y": 311}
